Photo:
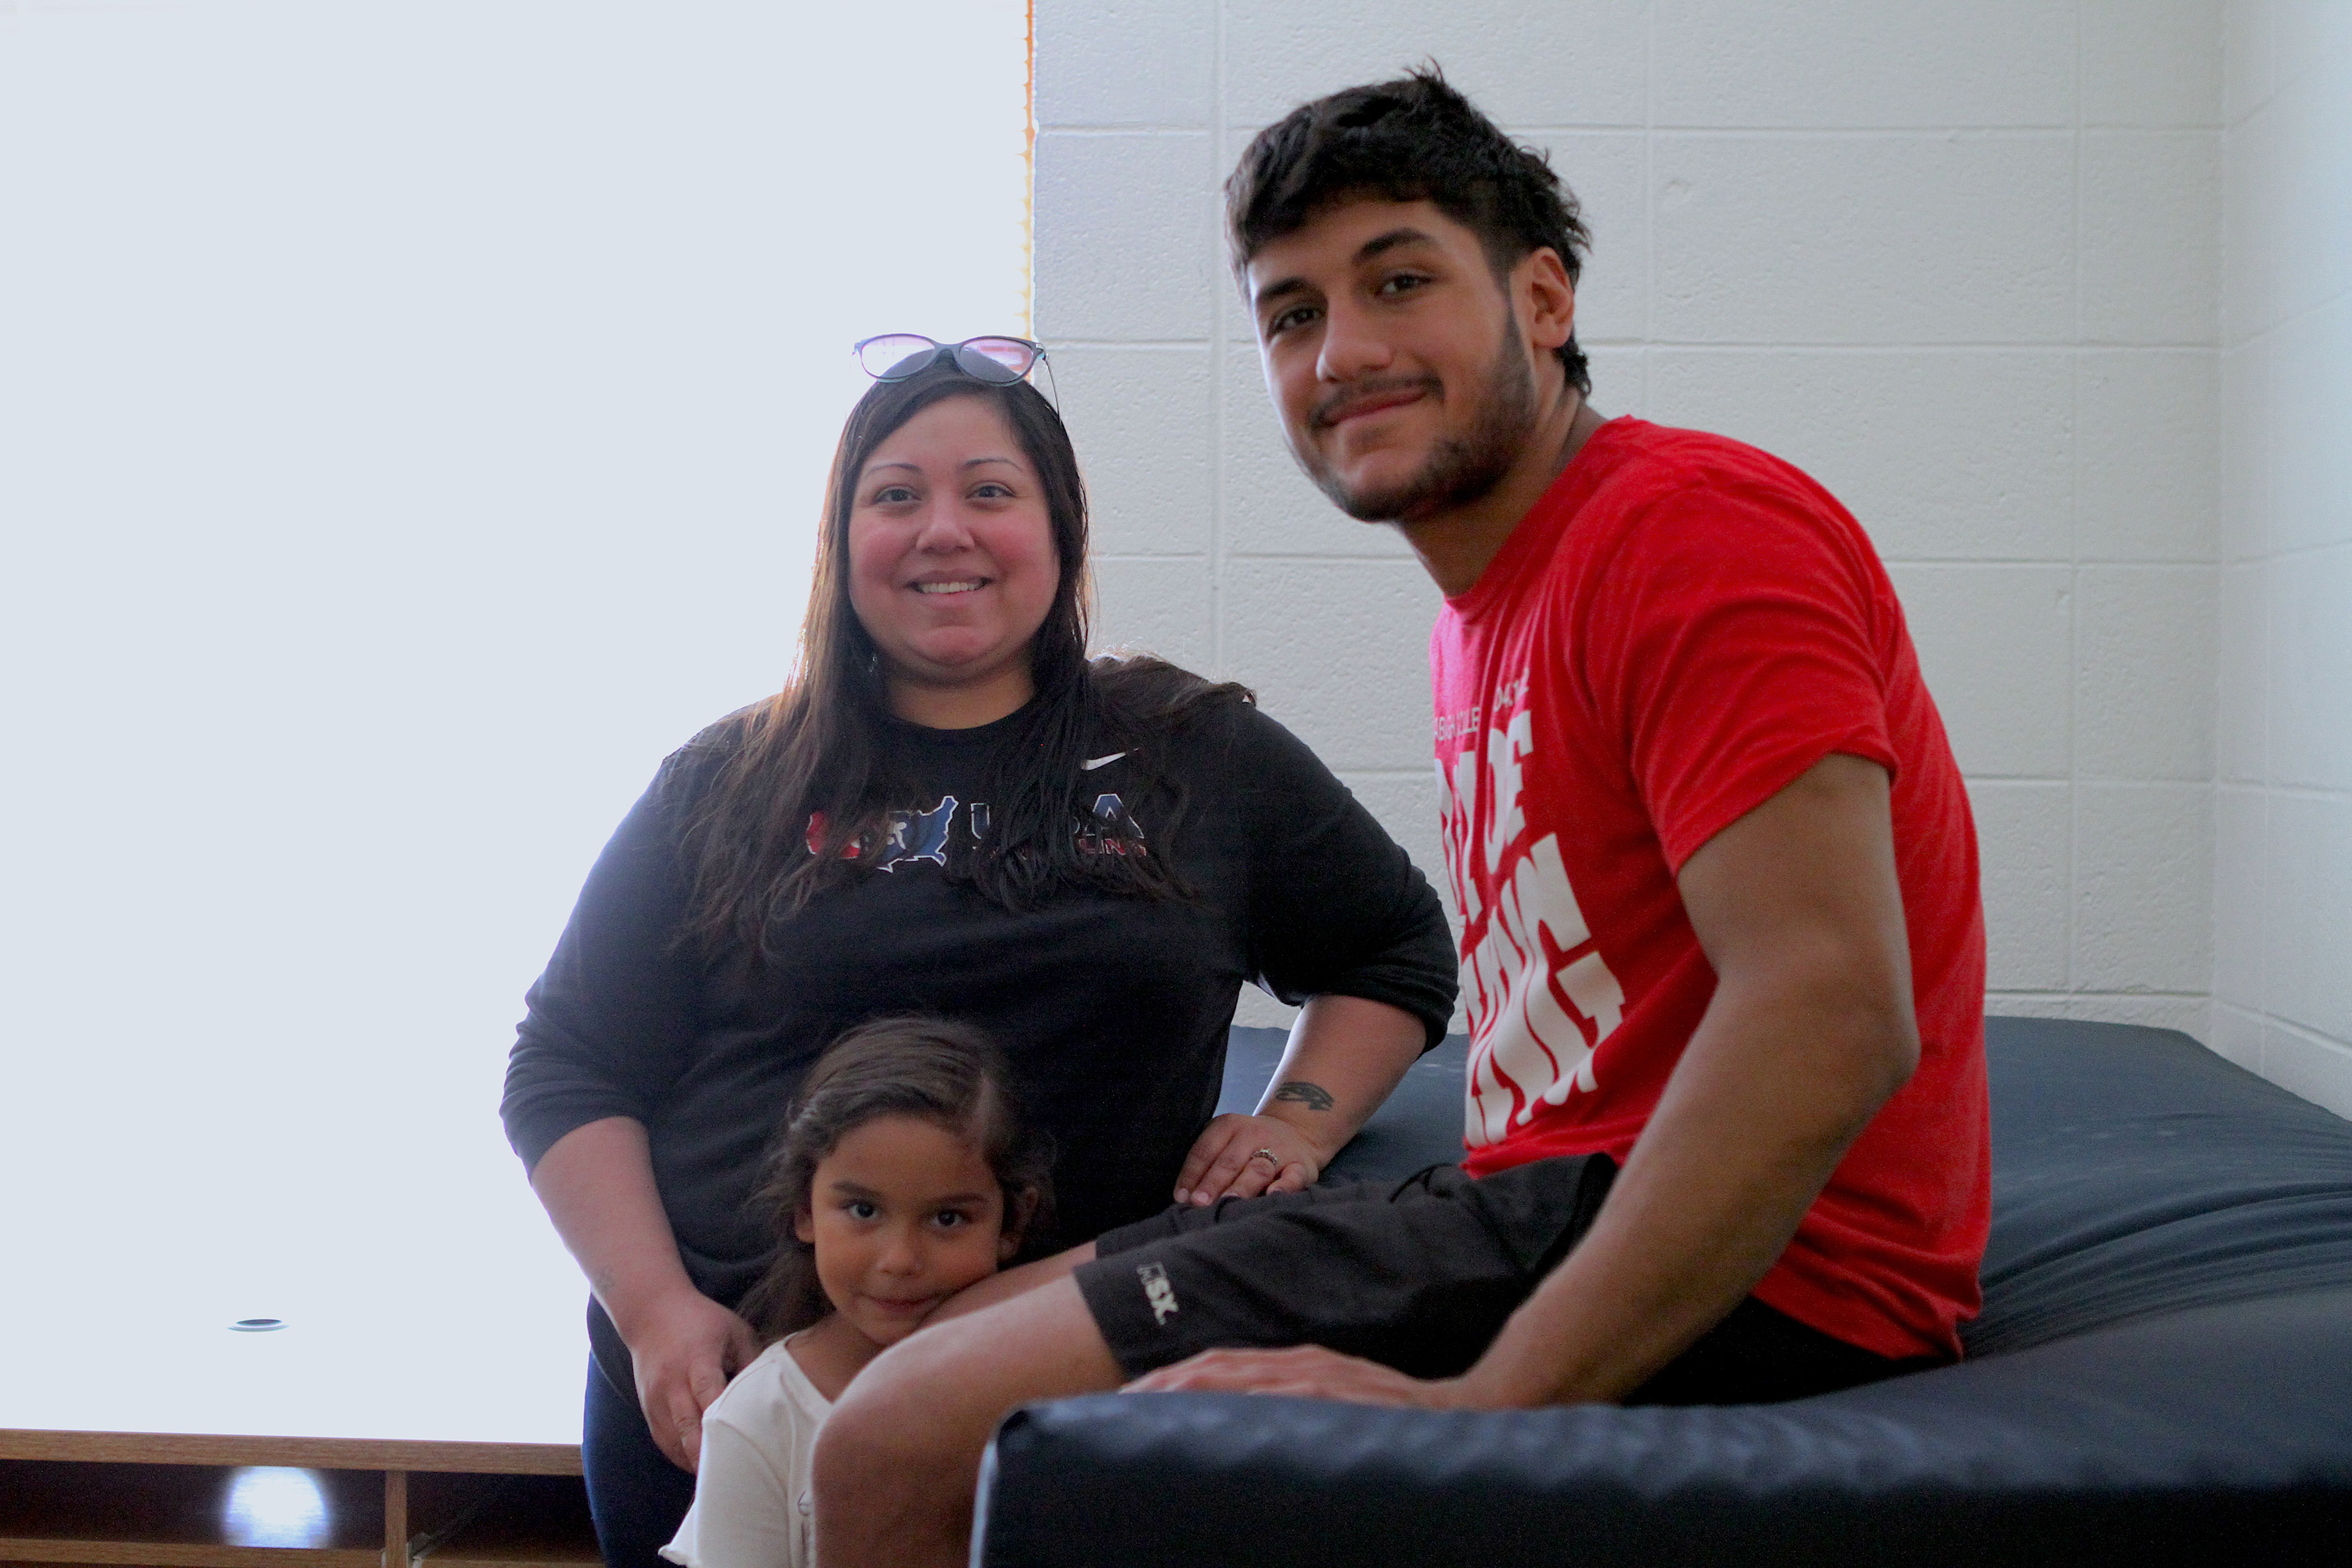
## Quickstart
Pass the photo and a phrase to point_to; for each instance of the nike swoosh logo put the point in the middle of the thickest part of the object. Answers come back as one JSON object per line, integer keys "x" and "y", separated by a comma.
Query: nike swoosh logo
{"x": 1102, "y": 761}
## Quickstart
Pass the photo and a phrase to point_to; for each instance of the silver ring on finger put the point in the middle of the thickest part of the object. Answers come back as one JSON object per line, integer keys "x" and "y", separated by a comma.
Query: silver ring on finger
{"x": 1269, "y": 1156}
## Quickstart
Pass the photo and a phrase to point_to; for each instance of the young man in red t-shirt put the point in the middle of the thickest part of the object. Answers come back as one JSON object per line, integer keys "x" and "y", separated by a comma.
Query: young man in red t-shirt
{"x": 1723, "y": 948}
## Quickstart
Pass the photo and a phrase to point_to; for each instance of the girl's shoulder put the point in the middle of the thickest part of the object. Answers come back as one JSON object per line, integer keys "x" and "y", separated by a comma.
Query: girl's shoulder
{"x": 771, "y": 1393}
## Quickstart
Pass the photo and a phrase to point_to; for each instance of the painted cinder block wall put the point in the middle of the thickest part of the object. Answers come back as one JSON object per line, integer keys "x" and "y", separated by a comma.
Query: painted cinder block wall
{"x": 2282, "y": 855}
{"x": 1964, "y": 264}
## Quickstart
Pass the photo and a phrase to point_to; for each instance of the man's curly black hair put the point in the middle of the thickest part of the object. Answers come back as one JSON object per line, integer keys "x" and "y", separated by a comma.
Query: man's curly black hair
{"x": 1414, "y": 139}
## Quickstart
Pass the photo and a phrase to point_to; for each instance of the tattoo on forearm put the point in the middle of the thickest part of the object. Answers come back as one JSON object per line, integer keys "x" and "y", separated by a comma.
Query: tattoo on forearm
{"x": 1313, "y": 1096}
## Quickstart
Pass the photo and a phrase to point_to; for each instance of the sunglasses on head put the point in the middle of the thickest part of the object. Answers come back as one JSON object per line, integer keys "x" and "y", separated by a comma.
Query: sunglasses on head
{"x": 1000, "y": 362}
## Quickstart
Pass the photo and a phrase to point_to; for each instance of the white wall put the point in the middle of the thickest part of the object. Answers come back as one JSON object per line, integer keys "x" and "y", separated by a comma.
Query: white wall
{"x": 1959, "y": 262}
{"x": 413, "y": 416}
{"x": 2283, "y": 970}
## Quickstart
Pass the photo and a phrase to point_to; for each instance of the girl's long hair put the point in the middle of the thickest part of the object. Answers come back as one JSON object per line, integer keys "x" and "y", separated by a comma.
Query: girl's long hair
{"x": 939, "y": 1071}
{"x": 783, "y": 790}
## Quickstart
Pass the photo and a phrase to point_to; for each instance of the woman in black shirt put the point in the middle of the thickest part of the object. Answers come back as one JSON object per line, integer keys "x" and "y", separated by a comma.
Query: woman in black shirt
{"x": 949, "y": 810}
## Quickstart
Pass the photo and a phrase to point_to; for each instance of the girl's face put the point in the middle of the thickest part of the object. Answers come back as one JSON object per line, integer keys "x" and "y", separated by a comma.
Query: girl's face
{"x": 951, "y": 563}
{"x": 903, "y": 1213}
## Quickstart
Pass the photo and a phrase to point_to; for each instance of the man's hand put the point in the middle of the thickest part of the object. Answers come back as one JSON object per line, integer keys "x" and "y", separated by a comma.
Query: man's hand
{"x": 686, "y": 1346}
{"x": 1308, "y": 1372}
{"x": 1225, "y": 1163}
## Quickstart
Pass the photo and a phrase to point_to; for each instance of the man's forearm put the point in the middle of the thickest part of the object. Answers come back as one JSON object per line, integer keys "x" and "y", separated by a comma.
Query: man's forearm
{"x": 1344, "y": 1055}
{"x": 1770, "y": 1093}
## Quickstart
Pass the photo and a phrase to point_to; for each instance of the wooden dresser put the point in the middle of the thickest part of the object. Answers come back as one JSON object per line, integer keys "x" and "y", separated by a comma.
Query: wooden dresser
{"x": 353, "y": 1438}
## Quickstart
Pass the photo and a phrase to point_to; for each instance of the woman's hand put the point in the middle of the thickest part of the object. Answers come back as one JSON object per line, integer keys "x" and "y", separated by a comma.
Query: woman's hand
{"x": 1345, "y": 1054}
{"x": 1241, "y": 1156}
{"x": 685, "y": 1347}
{"x": 597, "y": 1183}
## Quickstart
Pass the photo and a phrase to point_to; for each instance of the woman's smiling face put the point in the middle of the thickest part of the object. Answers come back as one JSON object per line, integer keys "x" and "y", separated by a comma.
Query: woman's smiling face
{"x": 951, "y": 563}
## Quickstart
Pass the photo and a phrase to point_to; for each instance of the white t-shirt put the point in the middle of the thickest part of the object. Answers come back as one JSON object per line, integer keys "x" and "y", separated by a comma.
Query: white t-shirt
{"x": 752, "y": 1486}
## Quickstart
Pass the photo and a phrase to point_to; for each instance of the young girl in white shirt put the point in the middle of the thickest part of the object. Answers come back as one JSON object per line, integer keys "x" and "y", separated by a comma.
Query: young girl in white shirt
{"x": 906, "y": 1173}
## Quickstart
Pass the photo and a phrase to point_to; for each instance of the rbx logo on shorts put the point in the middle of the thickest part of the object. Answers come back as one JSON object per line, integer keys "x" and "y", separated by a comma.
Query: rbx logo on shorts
{"x": 1158, "y": 1291}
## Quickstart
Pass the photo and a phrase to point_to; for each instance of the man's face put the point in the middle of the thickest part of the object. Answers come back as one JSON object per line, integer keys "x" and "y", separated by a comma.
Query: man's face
{"x": 1394, "y": 357}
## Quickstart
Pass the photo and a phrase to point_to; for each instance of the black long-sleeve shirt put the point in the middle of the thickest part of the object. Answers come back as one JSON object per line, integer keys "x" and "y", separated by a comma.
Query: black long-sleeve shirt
{"x": 1112, "y": 1008}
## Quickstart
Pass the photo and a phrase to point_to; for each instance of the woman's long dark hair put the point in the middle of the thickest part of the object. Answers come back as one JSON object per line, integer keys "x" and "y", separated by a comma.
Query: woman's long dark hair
{"x": 783, "y": 789}
{"x": 943, "y": 1072}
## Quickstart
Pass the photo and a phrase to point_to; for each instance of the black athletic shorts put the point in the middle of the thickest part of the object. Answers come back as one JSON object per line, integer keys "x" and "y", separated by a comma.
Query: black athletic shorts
{"x": 1418, "y": 1275}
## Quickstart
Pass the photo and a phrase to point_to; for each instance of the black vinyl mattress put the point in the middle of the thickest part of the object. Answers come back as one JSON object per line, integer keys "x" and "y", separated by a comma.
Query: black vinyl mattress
{"x": 2162, "y": 1373}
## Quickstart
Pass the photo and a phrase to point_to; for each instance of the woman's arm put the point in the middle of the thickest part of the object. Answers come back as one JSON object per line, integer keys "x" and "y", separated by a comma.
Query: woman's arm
{"x": 1345, "y": 1053}
{"x": 1342, "y": 922}
{"x": 597, "y": 1183}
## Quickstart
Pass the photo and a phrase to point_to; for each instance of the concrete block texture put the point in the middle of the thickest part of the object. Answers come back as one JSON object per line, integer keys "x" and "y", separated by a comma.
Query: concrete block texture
{"x": 2144, "y": 683}
{"x": 2313, "y": 39}
{"x": 1965, "y": 264}
{"x": 1125, "y": 62}
{"x": 1942, "y": 455}
{"x": 2309, "y": 459}
{"x": 2287, "y": 225}
{"x": 2240, "y": 642}
{"x": 1994, "y": 644}
{"x": 2245, "y": 440}
{"x": 2250, "y": 223}
{"x": 1124, "y": 224}
{"x": 2241, "y": 865}
{"x": 2024, "y": 838}
{"x": 2143, "y": 888}
{"x": 1608, "y": 173}
{"x": 2151, "y": 253}
{"x": 2314, "y": 109}
{"x": 2247, "y": 72}
{"x": 1155, "y": 606}
{"x": 1561, "y": 63}
{"x": 2308, "y": 620}
{"x": 2146, "y": 480}
{"x": 2283, "y": 914}
{"x": 2007, "y": 62}
{"x": 1148, "y": 477}
{"x": 2307, "y": 925}
{"x": 1621, "y": 380}
{"x": 1794, "y": 63}
{"x": 1338, "y": 651}
{"x": 2152, "y": 62}
{"x": 1912, "y": 238}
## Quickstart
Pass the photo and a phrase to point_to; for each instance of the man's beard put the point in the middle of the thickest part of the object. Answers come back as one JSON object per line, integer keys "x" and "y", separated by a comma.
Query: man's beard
{"x": 1461, "y": 469}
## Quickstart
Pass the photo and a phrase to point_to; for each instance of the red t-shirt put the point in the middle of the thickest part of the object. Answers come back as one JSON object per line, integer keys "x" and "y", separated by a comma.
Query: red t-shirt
{"x": 1677, "y": 629}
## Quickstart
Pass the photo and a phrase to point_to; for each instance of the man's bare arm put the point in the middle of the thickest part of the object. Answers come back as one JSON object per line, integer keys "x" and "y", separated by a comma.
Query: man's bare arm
{"x": 1810, "y": 1031}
